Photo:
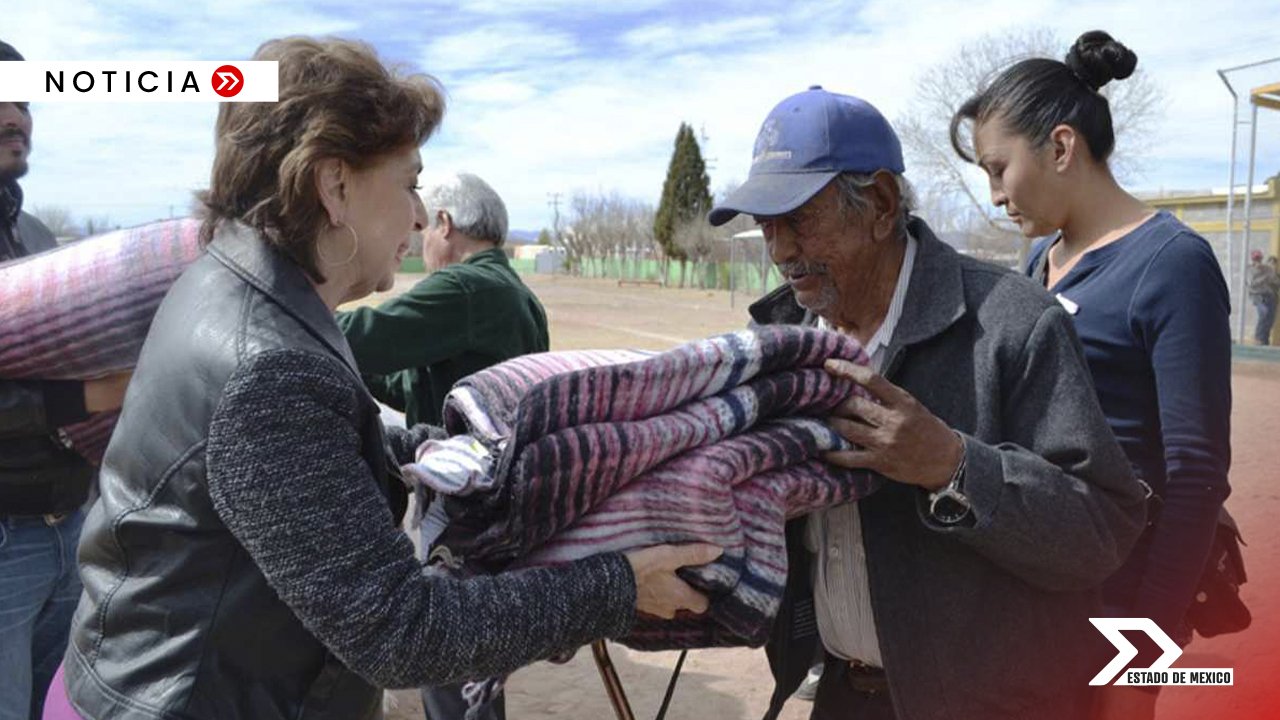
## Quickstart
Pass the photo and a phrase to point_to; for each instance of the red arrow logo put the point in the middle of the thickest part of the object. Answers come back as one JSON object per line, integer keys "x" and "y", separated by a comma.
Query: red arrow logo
{"x": 227, "y": 81}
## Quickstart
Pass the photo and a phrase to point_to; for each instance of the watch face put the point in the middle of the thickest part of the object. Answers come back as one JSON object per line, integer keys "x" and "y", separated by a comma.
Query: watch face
{"x": 949, "y": 507}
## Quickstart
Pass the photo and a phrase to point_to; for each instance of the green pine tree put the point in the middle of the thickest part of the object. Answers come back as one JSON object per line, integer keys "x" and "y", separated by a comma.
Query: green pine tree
{"x": 686, "y": 195}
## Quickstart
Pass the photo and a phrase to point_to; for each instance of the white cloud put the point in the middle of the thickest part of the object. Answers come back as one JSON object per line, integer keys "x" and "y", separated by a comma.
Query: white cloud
{"x": 147, "y": 29}
{"x": 611, "y": 121}
{"x": 499, "y": 46}
{"x": 502, "y": 88}
{"x": 672, "y": 37}
{"x": 506, "y": 8}
{"x": 555, "y": 95}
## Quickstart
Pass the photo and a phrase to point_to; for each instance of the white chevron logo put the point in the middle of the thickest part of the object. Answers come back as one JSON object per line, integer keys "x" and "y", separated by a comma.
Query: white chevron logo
{"x": 1110, "y": 629}
{"x": 228, "y": 81}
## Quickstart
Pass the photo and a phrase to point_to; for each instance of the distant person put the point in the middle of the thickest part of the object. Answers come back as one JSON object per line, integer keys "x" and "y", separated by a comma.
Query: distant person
{"x": 244, "y": 561}
{"x": 963, "y": 588}
{"x": 43, "y": 484}
{"x": 471, "y": 312}
{"x": 1263, "y": 287}
{"x": 1149, "y": 303}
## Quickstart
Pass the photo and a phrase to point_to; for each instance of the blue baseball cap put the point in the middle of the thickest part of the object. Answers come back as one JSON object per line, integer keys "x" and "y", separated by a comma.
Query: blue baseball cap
{"x": 805, "y": 142}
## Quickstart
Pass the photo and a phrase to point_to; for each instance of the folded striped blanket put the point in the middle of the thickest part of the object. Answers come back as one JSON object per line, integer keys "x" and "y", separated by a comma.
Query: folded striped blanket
{"x": 562, "y": 455}
{"x": 82, "y": 310}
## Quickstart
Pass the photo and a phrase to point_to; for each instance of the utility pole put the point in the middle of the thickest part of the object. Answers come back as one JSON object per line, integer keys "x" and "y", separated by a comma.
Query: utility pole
{"x": 553, "y": 199}
{"x": 709, "y": 162}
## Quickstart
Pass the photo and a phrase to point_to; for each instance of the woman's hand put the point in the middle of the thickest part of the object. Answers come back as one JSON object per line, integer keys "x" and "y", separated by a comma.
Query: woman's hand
{"x": 658, "y": 591}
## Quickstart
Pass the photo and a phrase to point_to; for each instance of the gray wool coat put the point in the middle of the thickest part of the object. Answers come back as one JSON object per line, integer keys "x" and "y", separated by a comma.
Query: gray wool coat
{"x": 987, "y": 619}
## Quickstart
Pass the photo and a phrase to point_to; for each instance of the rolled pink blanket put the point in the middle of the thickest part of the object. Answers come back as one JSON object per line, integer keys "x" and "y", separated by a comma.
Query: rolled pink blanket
{"x": 562, "y": 455}
{"x": 81, "y": 311}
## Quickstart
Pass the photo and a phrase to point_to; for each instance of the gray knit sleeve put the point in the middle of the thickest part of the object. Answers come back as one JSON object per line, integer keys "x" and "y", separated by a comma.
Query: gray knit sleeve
{"x": 286, "y": 475}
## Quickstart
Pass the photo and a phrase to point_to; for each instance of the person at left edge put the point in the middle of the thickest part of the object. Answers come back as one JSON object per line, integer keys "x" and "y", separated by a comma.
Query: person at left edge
{"x": 43, "y": 484}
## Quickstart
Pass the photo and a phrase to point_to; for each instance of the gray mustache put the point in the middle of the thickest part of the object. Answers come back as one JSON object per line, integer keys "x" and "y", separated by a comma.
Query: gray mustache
{"x": 14, "y": 133}
{"x": 805, "y": 268}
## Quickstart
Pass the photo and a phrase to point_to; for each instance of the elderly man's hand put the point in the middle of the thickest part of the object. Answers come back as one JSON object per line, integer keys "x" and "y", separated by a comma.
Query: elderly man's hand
{"x": 898, "y": 437}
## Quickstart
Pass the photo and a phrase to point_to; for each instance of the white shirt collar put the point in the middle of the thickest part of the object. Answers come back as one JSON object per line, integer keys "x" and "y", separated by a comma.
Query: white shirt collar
{"x": 884, "y": 334}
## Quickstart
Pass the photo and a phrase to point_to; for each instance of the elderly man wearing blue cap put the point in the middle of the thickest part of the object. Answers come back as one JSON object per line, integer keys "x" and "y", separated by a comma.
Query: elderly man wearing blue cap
{"x": 964, "y": 588}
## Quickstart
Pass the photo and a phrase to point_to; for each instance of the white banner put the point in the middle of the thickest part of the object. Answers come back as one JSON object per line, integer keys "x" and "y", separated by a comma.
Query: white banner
{"x": 139, "y": 81}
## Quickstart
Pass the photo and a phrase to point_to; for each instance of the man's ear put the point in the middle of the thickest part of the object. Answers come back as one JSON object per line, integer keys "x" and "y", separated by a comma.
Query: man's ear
{"x": 330, "y": 180}
{"x": 446, "y": 223}
{"x": 1064, "y": 146}
{"x": 886, "y": 206}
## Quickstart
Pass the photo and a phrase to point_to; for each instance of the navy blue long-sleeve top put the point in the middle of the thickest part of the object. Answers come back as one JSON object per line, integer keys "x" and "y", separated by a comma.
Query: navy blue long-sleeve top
{"x": 1152, "y": 310}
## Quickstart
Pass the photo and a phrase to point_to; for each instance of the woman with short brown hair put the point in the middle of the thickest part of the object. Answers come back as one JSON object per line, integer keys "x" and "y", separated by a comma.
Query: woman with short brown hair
{"x": 244, "y": 560}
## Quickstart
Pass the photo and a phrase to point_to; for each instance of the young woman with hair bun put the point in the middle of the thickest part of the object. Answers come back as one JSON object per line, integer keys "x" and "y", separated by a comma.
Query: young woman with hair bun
{"x": 1150, "y": 305}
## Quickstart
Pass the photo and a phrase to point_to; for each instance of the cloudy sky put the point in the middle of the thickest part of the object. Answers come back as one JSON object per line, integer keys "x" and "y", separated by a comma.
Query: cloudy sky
{"x": 561, "y": 96}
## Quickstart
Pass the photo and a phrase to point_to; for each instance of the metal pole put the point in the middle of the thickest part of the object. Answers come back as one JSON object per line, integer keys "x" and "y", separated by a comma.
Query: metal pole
{"x": 612, "y": 683}
{"x": 764, "y": 267}
{"x": 1249, "y": 65}
{"x": 1231, "y": 196}
{"x": 1248, "y": 216}
{"x": 733, "y": 268}
{"x": 1242, "y": 298}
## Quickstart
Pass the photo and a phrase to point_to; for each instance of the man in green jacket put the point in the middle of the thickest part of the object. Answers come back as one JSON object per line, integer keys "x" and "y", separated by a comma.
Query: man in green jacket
{"x": 471, "y": 312}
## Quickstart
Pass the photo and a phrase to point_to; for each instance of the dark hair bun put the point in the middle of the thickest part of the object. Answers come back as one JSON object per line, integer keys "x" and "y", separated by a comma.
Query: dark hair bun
{"x": 1097, "y": 59}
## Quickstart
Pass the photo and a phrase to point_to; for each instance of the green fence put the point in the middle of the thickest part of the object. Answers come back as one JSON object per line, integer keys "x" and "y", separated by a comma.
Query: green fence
{"x": 742, "y": 277}
{"x": 415, "y": 265}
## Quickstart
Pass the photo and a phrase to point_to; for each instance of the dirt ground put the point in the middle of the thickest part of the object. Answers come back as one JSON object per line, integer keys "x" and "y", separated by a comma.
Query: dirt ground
{"x": 735, "y": 684}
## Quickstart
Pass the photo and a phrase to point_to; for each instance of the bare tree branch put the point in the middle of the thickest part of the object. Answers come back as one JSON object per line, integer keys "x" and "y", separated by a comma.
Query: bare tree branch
{"x": 57, "y": 219}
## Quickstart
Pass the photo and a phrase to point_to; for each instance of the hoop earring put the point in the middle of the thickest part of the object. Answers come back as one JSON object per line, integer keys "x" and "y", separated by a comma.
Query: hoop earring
{"x": 355, "y": 247}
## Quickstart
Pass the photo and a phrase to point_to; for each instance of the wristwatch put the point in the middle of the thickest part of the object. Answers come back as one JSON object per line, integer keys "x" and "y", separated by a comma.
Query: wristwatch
{"x": 949, "y": 505}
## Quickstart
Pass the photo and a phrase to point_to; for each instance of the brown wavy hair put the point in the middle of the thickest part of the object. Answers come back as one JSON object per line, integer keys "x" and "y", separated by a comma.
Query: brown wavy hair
{"x": 337, "y": 100}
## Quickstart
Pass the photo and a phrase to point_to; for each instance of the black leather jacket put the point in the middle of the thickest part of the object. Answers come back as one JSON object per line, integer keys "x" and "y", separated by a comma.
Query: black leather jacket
{"x": 196, "y": 631}
{"x": 38, "y": 473}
